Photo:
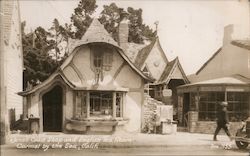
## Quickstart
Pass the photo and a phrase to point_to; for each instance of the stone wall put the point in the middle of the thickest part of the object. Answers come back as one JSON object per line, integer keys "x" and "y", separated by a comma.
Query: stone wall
{"x": 208, "y": 127}
{"x": 149, "y": 113}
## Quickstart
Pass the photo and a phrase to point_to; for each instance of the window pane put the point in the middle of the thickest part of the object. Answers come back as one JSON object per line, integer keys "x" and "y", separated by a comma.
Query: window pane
{"x": 203, "y": 106}
{"x": 238, "y": 105}
{"x": 211, "y": 106}
{"x": 101, "y": 104}
{"x": 119, "y": 100}
{"x": 208, "y": 105}
{"x": 81, "y": 109}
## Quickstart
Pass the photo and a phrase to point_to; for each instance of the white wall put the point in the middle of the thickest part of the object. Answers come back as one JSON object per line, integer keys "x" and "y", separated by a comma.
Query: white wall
{"x": 231, "y": 60}
{"x": 121, "y": 75}
{"x": 14, "y": 64}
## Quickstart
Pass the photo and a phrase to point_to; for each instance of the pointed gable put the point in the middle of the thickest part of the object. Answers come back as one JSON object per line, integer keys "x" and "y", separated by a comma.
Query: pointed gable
{"x": 172, "y": 68}
{"x": 144, "y": 53}
{"x": 96, "y": 33}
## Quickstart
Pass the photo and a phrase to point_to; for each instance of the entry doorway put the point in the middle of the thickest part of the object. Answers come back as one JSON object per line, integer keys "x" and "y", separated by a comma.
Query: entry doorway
{"x": 52, "y": 110}
{"x": 186, "y": 104}
{"x": 173, "y": 84}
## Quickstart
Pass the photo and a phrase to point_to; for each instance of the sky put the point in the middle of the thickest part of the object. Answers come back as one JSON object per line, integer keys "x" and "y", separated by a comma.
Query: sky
{"x": 190, "y": 29}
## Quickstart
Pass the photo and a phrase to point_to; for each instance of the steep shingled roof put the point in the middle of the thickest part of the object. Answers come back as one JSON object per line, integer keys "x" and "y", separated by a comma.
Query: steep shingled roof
{"x": 166, "y": 74}
{"x": 94, "y": 34}
{"x": 143, "y": 54}
{"x": 133, "y": 50}
{"x": 167, "y": 70}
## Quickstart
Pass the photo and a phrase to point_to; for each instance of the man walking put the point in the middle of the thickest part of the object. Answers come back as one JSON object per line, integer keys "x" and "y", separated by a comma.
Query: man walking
{"x": 222, "y": 120}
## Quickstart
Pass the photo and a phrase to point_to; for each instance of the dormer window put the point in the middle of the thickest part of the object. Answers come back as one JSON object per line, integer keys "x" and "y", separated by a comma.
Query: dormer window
{"x": 102, "y": 58}
{"x": 98, "y": 59}
{"x": 107, "y": 60}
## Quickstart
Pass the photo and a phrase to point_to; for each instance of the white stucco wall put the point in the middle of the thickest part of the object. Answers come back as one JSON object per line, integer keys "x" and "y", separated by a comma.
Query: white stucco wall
{"x": 231, "y": 60}
{"x": 121, "y": 75}
{"x": 34, "y": 105}
{"x": 81, "y": 61}
{"x": 128, "y": 78}
{"x": 79, "y": 72}
{"x": 132, "y": 110}
{"x": 68, "y": 107}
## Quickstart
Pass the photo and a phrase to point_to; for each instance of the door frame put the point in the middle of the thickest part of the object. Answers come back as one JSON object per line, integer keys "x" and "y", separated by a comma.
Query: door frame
{"x": 48, "y": 88}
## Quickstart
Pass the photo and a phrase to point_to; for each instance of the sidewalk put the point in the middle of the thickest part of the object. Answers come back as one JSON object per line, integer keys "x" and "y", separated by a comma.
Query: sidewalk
{"x": 118, "y": 140}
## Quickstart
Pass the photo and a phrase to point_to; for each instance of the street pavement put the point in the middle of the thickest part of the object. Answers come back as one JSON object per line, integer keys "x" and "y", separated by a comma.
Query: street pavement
{"x": 181, "y": 143}
{"x": 174, "y": 150}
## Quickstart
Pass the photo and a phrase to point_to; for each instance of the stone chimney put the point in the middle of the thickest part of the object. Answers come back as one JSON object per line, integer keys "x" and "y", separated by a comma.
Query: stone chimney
{"x": 228, "y": 31}
{"x": 123, "y": 31}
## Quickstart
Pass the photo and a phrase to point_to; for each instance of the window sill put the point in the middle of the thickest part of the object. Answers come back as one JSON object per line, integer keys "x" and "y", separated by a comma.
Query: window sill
{"x": 99, "y": 119}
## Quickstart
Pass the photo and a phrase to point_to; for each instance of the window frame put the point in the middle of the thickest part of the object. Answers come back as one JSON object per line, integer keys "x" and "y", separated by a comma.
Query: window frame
{"x": 210, "y": 97}
{"x": 100, "y": 114}
{"x": 235, "y": 99}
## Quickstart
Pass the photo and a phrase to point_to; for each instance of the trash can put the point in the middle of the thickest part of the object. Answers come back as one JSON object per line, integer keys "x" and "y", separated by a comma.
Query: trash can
{"x": 33, "y": 125}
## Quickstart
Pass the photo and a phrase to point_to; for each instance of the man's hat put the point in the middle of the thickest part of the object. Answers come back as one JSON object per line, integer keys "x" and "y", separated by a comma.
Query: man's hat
{"x": 224, "y": 104}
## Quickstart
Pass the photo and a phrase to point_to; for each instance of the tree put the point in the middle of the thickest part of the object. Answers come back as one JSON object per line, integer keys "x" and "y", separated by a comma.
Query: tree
{"x": 60, "y": 35}
{"x": 111, "y": 17}
{"x": 81, "y": 18}
{"x": 38, "y": 63}
{"x": 45, "y": 50}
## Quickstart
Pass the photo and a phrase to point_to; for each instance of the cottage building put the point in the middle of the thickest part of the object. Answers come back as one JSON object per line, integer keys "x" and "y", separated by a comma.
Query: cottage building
{"x": 224, "y": 77}
{"x": 168, "y": 75}
{"x": 10, "y": 58}
{"x": 96, "y": 89}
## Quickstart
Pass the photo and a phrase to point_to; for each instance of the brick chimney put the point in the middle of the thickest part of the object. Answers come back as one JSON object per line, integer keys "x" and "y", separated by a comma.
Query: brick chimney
{"x": 123, "y": 31}
{"x": 228, "y": 31}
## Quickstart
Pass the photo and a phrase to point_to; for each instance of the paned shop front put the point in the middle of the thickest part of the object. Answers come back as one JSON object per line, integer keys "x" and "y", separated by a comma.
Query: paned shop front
{"x": 198, "y": 105}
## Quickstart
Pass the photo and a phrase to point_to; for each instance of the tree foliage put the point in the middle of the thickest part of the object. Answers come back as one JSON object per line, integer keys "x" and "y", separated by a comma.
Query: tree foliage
{"x": 81, "y": 18}
{"x": 38, "y": 63}
{"x": 44, "y": 50}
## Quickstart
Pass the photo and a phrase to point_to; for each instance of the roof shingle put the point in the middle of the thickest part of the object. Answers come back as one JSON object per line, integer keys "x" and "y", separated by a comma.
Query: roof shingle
{"x": 143, "y": 54}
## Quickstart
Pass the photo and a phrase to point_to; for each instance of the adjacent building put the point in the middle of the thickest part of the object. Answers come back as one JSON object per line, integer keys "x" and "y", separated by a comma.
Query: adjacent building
{"x": 11, "y": 64}
{"x": 96, "y": 89}
{"x": 168, "y": 75}
{"x": 224, "y": 77}
{"x": 102, "y": 84}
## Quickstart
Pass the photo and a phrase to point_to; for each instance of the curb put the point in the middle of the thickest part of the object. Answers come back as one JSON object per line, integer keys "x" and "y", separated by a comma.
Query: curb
{"x": 108, "y": 145}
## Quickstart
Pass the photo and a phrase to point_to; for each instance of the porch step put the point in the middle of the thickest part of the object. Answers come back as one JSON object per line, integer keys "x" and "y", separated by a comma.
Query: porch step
{"x": 182, "y": 129}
